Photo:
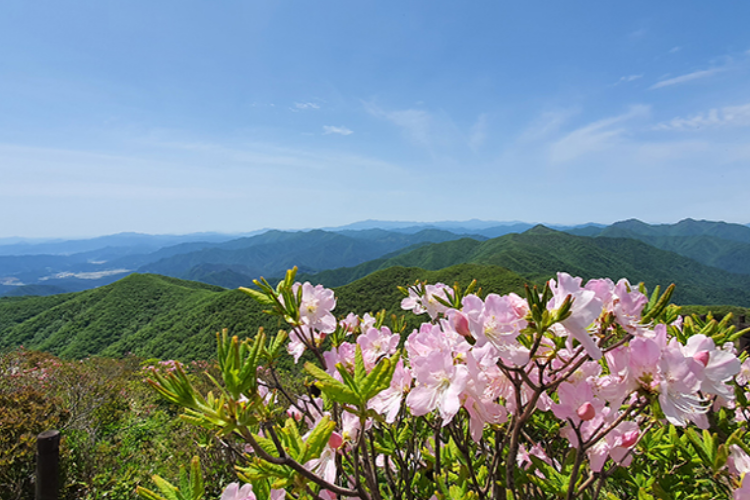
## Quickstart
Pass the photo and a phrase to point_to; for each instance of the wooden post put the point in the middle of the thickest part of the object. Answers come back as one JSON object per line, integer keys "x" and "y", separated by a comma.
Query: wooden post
{"x": 47, "y": 465}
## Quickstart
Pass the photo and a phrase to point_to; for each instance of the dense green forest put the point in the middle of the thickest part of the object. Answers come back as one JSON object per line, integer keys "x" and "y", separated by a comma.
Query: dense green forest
{"x": 541, "y": 252}
{"x": 155, "y": 316}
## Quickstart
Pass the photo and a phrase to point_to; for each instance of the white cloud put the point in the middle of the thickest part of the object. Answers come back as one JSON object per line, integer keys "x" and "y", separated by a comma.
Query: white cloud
{"x": 629, "y": 78}
{"x": 415, "y": 123}
{"x": 696, "y": 75}
{"x": 478, "y": 133}
{"x": 596, "y": 136}
{"x": 548, "y": 124}
{"x": 306, "y": 105}
{"x": 674, "y": 50}
{"x": 728, "y": 116}
{"x": 639, "y": 33}
{"x": 436, "y": 131}
{"x": 330, "y": 129}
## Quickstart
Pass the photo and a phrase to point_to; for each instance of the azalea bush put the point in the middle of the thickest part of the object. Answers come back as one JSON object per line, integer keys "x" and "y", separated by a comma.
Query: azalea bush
{"x": 595, "y": 391}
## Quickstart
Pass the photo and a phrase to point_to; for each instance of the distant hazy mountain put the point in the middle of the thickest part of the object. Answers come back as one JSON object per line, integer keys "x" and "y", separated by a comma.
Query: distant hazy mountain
{"x": 363, "y": 247}
{"x": 273, "y": 252}
{"x": 686, "y": 227}
{"x": 469, "y": 225}
{"x": 225, "y": 263}
{"x": 488, "y": 229}
{"x": 137, "y": 242}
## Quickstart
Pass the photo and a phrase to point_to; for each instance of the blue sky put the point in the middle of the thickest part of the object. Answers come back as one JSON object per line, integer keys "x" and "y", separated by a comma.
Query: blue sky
{"x": 175, "y": 117}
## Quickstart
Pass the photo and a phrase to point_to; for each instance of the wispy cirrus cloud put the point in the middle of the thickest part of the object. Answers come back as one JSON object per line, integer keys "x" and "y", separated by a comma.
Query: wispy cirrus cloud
{"x": 596, "y": 136}
{"x": 547, "y": 125}
{"x": 331, "y": 129}
{"x": 434, "y": 131}
{"x": 300, "y": 106}
{"x": 416, "y": 124}
{"x": 627, "y": 79}
{"x": 695, "y": 75}
{"x": 728, "y": 116}
{"x": 478, "y": 132}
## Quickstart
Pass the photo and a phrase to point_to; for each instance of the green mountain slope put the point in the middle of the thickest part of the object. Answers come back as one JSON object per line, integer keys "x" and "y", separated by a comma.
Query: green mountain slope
{"x": 378, "y": 290}
{"x": 156, "y": 316}
{"x": 541, "y": 252}
{"x": 686, "y": 227}
{"x": 273, "y": 252}
{"x": 732, "y": 256}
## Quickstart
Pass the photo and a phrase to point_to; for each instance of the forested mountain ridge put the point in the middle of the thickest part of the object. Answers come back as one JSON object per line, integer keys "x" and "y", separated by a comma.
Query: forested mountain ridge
{"x": 685, "y": 227}
{"x": 717, "y": 244}
{"x": 157, "y": 316}
{"x": 224, "y": 263}
{"x": 541, "y": 252}
{"x": 231, "y": 262}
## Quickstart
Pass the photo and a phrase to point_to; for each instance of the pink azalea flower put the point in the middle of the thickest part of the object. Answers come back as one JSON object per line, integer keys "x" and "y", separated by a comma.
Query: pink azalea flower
{"x": 479, "y": 399}
{"x": 350, "y": 427}
{"x": 645, "y": 353}
{"x": 616, "y": 386}
{"x": 575, "y": 397}
{"x": 439, "y": 386}
{"x": 679, "y": 386}
{"x": 316, "y": 306}
{"x": 350, "y": 323}
{"x": 430, "y": 338}
{"x": 719, "y": 365}
{"x": 325, "y": 465}
{"x": 738, "y": 461}
{"x": 628, "y": 303}
{"x": 743, "y": 377}
{"x": 427, "y": 303}
{"x": 377, "y": 343}
{"x": 388, "y": 402}
{"x": 585, "y": 309}
{"x": 743, "y": 493}
{"x": 499, "y": 324}
{"x": 233, "y": 491}
{"x": 616, "y": 444}
{"x": 344, "y": 354}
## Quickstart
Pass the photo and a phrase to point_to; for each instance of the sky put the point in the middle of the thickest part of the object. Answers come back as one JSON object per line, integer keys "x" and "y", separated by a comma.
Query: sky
{"x": 174, "y": 117}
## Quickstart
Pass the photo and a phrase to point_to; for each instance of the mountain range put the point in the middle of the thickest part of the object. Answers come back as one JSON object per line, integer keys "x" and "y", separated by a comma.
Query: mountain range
{"x": 156, "y": 315}
{"x": 361, "y": 248}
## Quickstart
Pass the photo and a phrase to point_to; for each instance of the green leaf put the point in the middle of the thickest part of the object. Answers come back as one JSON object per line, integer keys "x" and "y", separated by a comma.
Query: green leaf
{"x": 196, "y": 480}
{"x": 698, "y": 446}
{"x": 169, "y": 491}
{"x": 722, "y": 455}
{"x": 359, "y": 367}
{"x": 293, "y": 439}
{"x": 659, "y": 306}
{"x": 318, "y": 439}
{"x": 334, "y": 389}
{"x": 259, "y": 297}
{"x": 380, "y": 377}
{"x": 148, "y": 494}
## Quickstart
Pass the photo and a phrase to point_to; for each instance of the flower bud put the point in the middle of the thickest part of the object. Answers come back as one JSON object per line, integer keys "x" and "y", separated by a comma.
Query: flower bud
{"x": 460, "y": 323}
{"x": 702, "y": 357}
{"x": 586, "y": 411}
{"x": 335, "y": 441}
{"x": 629, "y": 439}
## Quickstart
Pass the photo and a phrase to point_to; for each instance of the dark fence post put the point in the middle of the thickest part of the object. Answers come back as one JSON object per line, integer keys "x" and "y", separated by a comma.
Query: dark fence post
{"x": 47, "y": 465}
